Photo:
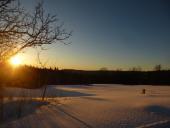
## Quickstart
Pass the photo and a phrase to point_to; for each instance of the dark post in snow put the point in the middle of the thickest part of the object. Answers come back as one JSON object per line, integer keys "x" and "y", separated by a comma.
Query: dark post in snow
{"x": 144, "y": 91}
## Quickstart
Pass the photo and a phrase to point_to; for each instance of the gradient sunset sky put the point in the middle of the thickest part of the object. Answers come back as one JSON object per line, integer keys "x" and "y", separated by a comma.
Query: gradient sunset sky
{"x": 108, "y": 33}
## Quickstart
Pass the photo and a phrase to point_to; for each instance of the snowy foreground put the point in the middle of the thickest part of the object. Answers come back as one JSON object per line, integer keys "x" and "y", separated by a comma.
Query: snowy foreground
{"x": 96, "y": 106}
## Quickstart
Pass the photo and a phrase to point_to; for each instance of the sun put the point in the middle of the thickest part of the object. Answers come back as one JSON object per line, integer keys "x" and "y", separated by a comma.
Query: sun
{"x": 15, "y": 61}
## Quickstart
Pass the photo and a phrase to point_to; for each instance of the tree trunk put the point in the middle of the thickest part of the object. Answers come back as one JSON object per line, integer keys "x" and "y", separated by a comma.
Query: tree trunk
{"x": 1, "y": 104}
{"x": 44, "y": 92}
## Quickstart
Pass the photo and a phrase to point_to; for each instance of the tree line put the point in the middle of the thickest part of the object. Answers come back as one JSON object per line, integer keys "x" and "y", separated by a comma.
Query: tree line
{"x": 35, "y": 77}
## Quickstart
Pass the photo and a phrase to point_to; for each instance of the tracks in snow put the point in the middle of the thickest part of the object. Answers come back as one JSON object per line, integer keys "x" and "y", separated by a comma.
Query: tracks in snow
{"x": 57, "y": 108}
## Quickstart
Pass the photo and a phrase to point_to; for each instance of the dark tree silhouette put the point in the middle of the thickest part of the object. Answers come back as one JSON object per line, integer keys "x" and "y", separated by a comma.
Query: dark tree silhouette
{"x": 103, "y": 69}
{"x": 20, "y": 29}
{"x": 158, "y": 67}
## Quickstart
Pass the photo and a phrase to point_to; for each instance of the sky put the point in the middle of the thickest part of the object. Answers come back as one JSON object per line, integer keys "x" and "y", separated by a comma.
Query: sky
{"x": 116, "y": 34}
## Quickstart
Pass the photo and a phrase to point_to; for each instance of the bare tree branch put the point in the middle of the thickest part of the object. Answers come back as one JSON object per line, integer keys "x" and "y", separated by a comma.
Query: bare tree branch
{"x": 20, "y": 29}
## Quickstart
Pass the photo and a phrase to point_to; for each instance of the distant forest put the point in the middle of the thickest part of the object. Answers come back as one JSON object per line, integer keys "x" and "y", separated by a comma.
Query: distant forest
{"x": 34, "y": 77}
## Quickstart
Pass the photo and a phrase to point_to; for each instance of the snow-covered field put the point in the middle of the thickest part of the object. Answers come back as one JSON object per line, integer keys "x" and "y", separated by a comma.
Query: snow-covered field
{"x": 96, "y": 106}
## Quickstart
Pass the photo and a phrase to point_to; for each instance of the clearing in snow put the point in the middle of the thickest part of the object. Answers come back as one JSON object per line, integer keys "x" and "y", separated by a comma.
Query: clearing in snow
{"x": 95, "y": 106}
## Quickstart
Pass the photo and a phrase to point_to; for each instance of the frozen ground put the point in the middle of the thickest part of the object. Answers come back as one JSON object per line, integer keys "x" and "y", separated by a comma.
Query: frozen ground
{"x": 97, "y": 106}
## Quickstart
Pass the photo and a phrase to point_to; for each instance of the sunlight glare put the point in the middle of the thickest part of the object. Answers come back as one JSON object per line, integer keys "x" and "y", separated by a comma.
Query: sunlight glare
{"x": 15, "y": 61}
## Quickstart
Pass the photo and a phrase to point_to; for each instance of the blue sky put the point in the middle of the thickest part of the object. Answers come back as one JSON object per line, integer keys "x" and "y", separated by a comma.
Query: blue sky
{"x": 109, "y": 33}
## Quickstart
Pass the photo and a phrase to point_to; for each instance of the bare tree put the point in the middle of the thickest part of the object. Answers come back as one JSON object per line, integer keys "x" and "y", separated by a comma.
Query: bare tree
{"x": 42, "y": 65}
{"x": 158, "y": 67}
{"x": 138, "y": 68}
{"x": 20, "y": 29}
{"x": 103, "y": 69}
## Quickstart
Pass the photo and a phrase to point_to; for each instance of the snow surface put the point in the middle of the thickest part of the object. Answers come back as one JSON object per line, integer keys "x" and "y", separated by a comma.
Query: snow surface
{"x": 92, "y": 106}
